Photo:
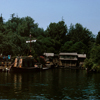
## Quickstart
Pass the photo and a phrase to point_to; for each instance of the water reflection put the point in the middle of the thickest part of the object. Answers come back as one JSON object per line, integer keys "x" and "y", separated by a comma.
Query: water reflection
{"x": 50, "y": 84}
{"x": 17, "y": 83}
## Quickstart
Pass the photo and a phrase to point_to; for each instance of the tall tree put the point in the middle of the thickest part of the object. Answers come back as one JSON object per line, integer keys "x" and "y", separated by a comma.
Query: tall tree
{"x": 2, "y": 29}
{"x": 98, "y": 38}
{"x": 26, "y": 26}
{"x": 57, "y": 31}
{"x": 79, "y": 33}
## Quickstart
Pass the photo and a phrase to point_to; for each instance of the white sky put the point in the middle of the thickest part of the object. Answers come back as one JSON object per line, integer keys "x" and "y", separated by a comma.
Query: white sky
{"x": 85, "y": 12}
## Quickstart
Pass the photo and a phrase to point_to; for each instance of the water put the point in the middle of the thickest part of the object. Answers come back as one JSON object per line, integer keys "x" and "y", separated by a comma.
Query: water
{"x": 53, "y": 84}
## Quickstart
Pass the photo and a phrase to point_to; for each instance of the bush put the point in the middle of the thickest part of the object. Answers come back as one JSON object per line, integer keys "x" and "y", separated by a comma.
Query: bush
{"x": 88, "y": 63}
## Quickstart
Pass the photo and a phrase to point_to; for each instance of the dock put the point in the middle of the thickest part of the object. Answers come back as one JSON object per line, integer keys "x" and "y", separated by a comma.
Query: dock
{"x": 4, "y": 69}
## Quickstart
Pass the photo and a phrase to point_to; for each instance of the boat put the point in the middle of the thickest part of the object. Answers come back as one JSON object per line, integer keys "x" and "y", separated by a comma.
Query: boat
{"x": 28, "y": 63}
{"x": 25, "y": 64}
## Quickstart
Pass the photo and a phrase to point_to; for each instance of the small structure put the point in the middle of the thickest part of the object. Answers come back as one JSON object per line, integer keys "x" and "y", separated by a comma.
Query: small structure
{"x": 49, "y": 59}
{"x": 81, "y": 58}
{"x": 68, "y": 59}
{"x": 25, "y": 64}
{"x": 24, "y": 61}
{"x": 56, "y": 60}
{"x": 5, "y": 62}
{"x": 48, "y": 54}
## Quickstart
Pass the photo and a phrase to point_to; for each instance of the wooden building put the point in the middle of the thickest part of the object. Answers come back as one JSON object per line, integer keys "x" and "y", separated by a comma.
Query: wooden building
{"x": 81, "y": 58}
{"x": 68, "y": 59}
{"x": 65, "y": 59}
{"x": 56, "y": 60}
{"x": 48, "y": 56}
{"x": 49, "y": 59}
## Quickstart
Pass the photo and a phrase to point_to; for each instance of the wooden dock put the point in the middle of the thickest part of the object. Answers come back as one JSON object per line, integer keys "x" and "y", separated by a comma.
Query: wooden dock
{"x": 4, "y": 69}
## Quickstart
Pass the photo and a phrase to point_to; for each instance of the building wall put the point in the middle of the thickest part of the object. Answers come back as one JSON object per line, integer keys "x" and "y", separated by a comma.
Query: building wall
{"x": 67, "y": 63}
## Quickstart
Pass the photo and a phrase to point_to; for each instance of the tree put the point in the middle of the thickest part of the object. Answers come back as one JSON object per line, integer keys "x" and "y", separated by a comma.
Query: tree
{"x": 93, "y": 63}
{"x": 79, "y": 47}
{"x": 57, "y": 31}
{"x": 66, "y": 47}
{"x": 95, "y": 54}
{"x": 1, "y": 24}
{"x": 98, "y": 38}
{"x": 78, "y": 33}
{"x": 26, "y": 26}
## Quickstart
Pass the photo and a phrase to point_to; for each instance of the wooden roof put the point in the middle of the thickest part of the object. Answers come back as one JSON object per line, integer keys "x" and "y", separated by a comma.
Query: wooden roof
{"x": 48, "y": 54}
{"x": 74, "y": 54}
{"x": 81, "y": 55}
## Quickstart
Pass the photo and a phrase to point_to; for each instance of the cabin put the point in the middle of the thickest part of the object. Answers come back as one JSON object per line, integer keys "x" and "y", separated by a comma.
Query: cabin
{"x": 49, "y": 58}
{"x": 56, "y": 60}
{"x": 81, "y": 58}
{"x": 68, "y": 59}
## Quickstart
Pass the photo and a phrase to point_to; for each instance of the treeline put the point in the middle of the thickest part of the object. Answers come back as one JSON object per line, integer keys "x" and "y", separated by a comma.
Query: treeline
{"x": 56, "y": 38}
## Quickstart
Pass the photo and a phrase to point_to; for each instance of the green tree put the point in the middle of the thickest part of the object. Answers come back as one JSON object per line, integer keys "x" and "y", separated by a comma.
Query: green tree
{"x": 66, "y": 47}
{"x": 78, "y": 33}
{"x": 26, "y": 26}
{"x": 98, "y": 38}
{"x": 95, "y": 54}
{"x": 2, "y": 29}
{"x": 79, "y": 47}
{"x": 57, "y": 31}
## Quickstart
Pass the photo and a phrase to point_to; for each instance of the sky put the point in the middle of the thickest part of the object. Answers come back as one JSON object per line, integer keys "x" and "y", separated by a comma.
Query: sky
{"x": 85, "y": 12}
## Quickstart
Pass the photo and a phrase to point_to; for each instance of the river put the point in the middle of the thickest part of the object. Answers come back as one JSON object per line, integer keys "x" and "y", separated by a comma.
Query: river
{"x": 52, "y": 84}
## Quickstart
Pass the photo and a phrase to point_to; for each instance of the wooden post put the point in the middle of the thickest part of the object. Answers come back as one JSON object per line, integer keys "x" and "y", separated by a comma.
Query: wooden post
{"x": 30, "y": 44}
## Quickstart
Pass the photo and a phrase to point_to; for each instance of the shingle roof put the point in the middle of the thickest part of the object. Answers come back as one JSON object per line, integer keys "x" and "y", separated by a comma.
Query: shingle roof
{"x": 81, "y": 55}
{"x": 48, "y": 54}
{"x": 75, "y": 54}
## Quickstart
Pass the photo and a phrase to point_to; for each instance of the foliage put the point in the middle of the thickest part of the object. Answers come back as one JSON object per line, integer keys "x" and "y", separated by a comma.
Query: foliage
{"x": 78, "y": 47}
{"x": 66, "y": 47}
{"x": 93, "y": 62}
{"x": 78, "y": 33}
{"x": 95, "y": 54}
{"x": 56, "y": 38}
{"x": 57, "y": 30}
{"x": 98, "y": 38}
{"x": 88, "y": 63}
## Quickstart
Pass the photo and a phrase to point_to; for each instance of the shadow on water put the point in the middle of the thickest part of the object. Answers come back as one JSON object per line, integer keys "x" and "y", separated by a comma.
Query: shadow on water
{"x": 50, "y": 84}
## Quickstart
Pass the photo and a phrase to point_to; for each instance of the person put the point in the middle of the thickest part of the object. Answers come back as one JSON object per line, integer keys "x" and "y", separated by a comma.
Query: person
{"x": 9, "y": 57}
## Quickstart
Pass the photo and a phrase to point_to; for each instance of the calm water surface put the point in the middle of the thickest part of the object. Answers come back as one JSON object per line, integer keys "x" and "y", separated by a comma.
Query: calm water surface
{"x": 53, "y": 84}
